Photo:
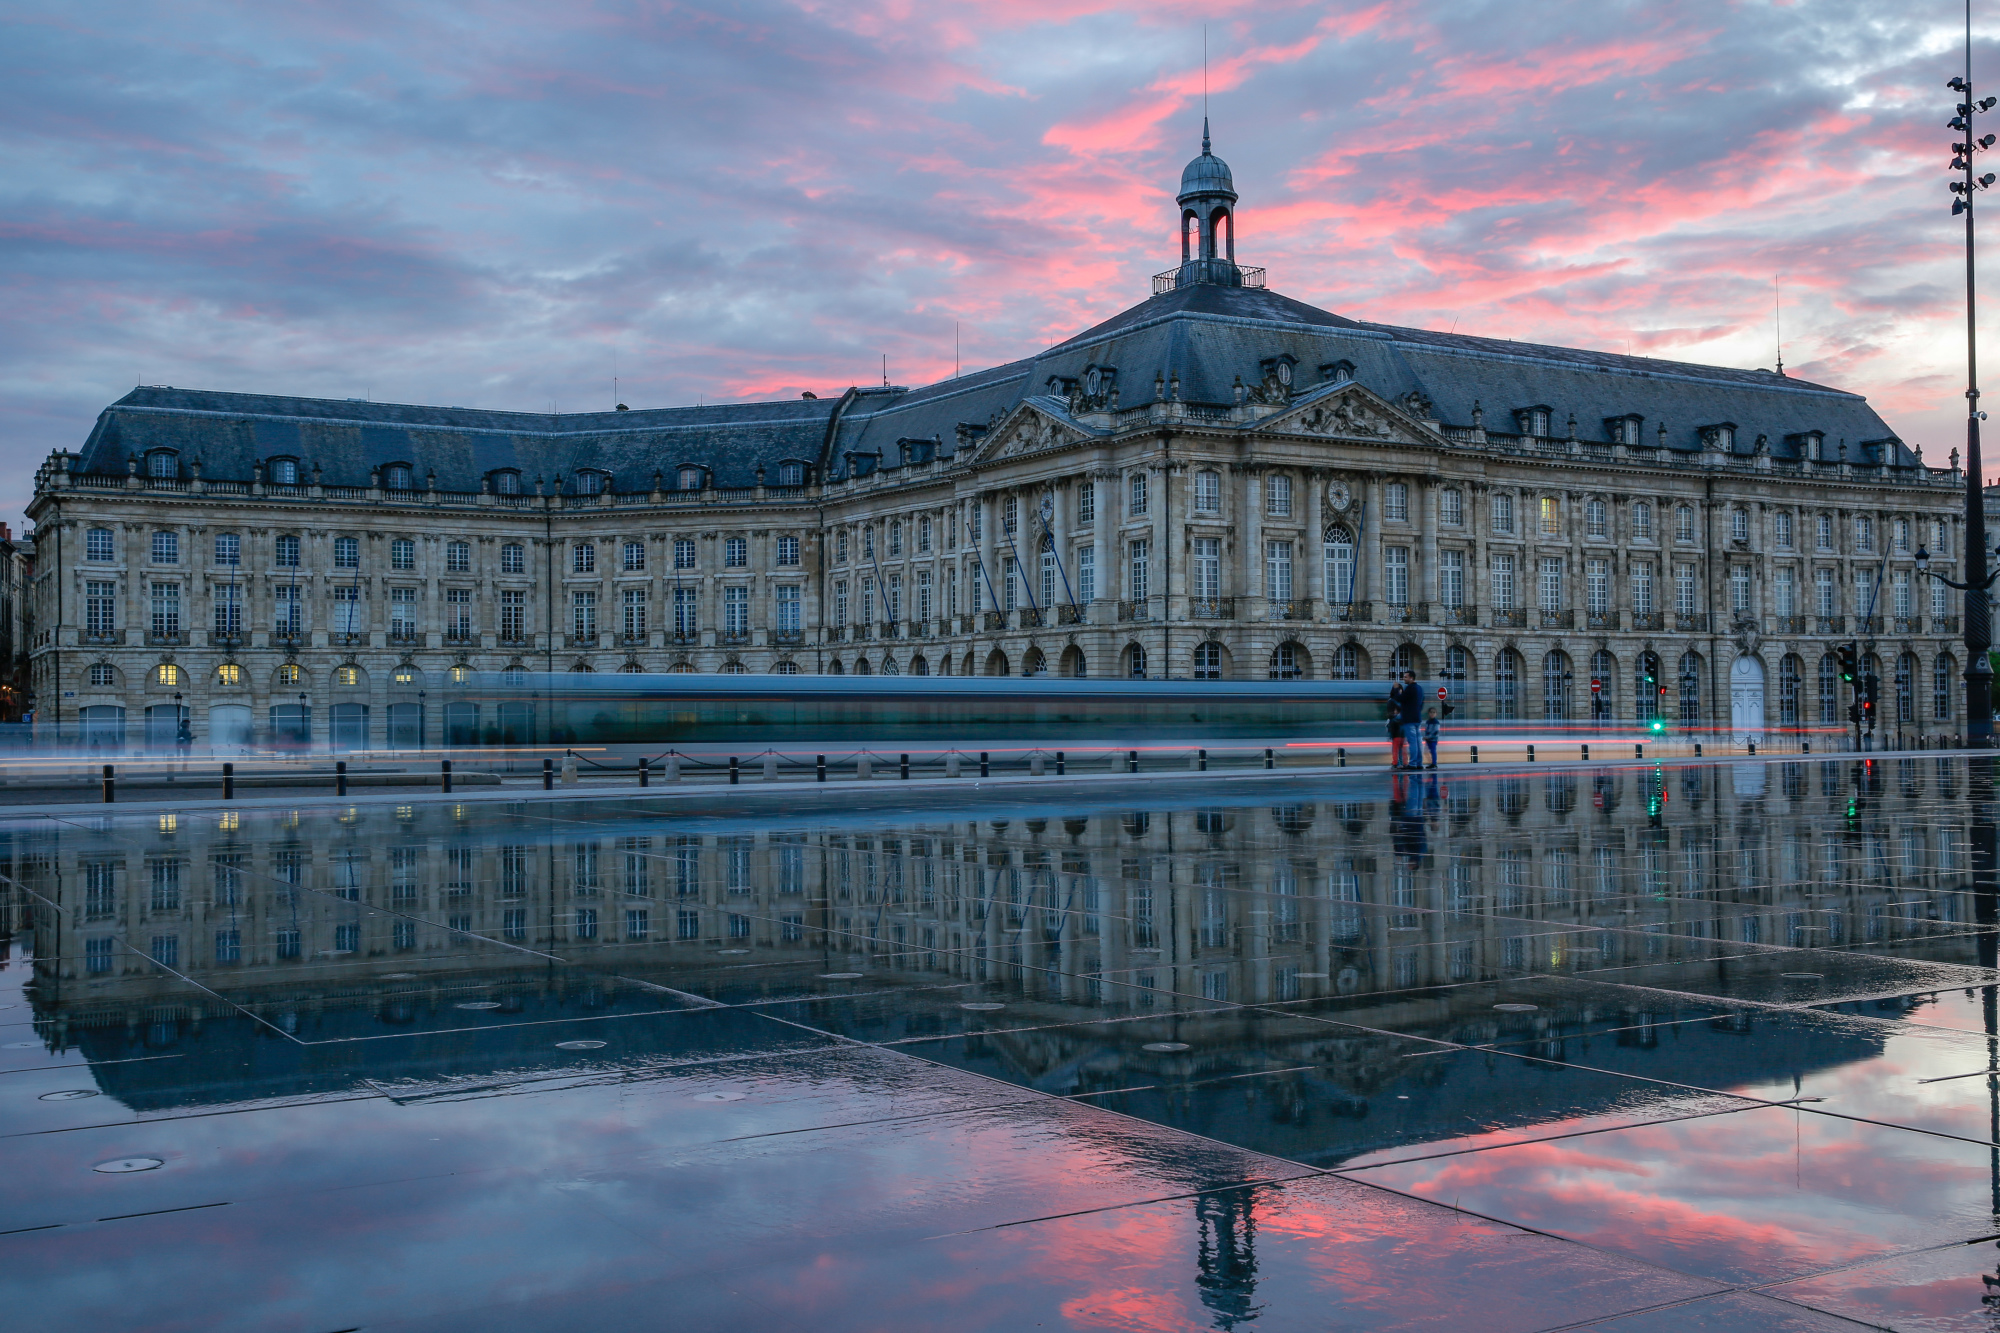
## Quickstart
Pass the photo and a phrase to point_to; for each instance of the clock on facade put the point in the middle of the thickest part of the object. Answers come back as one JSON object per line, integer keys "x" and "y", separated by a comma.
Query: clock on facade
{"x": 1339, "y": 496}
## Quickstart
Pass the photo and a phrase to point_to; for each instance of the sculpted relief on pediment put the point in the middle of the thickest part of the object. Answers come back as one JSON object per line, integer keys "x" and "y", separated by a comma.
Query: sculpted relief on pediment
{"x": 1348, "y": 416}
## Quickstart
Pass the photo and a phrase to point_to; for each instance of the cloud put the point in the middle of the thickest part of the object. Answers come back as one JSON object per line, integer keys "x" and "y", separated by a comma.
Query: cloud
{"x": 495, "y": 203}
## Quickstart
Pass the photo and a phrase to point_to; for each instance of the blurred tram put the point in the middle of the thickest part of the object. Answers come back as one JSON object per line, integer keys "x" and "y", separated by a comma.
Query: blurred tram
{"x": 536, "y": 708}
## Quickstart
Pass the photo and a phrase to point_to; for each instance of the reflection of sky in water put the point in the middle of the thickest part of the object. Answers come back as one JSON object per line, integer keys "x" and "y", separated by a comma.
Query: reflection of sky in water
{"x": 1086, "y": 1065}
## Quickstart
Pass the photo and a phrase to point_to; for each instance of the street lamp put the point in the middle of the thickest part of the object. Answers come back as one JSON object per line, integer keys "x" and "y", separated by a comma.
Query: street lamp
{"x": 1978, "y": 624}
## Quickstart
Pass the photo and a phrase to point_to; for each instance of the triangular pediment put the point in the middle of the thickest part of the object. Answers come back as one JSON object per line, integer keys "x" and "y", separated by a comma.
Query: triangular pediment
{"x": 1034, "y": 425}
{"x": 1347, "y": 411}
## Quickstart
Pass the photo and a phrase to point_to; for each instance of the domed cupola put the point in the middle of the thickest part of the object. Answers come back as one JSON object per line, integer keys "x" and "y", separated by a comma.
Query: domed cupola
{"x": 1208, "y": 226}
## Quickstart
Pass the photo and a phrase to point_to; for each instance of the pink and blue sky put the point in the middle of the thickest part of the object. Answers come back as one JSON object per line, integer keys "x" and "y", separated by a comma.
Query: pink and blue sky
{"x": 504, "y": 204}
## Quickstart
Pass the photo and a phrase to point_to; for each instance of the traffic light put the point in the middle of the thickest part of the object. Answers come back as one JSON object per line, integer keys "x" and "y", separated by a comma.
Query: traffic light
{"x": 1871, "y": 686}
{"x": 1850, "y": 662}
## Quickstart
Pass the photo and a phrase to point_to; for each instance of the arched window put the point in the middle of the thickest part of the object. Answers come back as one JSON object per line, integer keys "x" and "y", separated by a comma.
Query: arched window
{"x": 784, "y": 668}
{"x": 631, "y": 669}
{"x": 919, "y": 666}
{"x": 1033, "y": 663}
{"x": 1135, "y": 662}
{"x": 1556, "y": 681}
{"x": 1507, "y": 685}
{"x": 1457, "y": 671}
{"x": 399, "y": 477}
{"x": 1408, "y": 657}
{"x": 1338, "y": 552}
{"x": 1646, "y": 688}
{"x": 1942, "y": 672}
{"x": 1603, "y": 677}
{"x": 1906, "y": 688}
{"x": 1346, "y": 663}
{"x": 690, "y": 479}
{"x": 1690, "y": 682}
{"x": 791, "y": 474}
{"x": 283, "y": 471}
{"x": 1829, "y": 690}
{"x": 103, "y": 674}
{"x": 507, "y": 482}
{"x": 590, "y": 483}
{"x": 163, "y": 463}
{"x": 167, "y": 674}
{"x": 346, "y": 675}
{"x": 1287, "y": 662}
{"x": 1208, "y": 661}
{"x": 1642, "y": 520}
{"x": 1791, "y": 673}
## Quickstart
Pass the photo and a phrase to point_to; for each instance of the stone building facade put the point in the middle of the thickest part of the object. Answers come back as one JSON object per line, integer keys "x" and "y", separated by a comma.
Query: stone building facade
{"x": 1218, "y": 482}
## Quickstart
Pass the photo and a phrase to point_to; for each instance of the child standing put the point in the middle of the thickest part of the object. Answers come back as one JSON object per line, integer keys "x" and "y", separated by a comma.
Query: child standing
{"x": 1396, "y": 756}
{"x": 1431, "y": 735}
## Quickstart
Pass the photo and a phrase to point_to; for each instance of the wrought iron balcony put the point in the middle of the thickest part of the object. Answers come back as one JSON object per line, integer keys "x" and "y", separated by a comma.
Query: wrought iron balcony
{"x": 1829, "y": 624}
{"x": 1564, "y": 619}
{"x": 1212, "y": 608}
{"x": 1359, "y": 613}
{"x": 1458, "y": 615}
{"x": 1293, "y": 609}
{"x": 1510, "y": 617}
{"x": 1601, "y": 620}
{"x": 1213, "y": 272}
{"x": 1073, "y": 615}
{"x": 1691, "y": 624}
{"x": 1648, "y": 620}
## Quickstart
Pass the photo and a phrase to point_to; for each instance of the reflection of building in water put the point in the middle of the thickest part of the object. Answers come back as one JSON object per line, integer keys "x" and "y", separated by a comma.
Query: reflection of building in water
{"x": 1445, "y": 882}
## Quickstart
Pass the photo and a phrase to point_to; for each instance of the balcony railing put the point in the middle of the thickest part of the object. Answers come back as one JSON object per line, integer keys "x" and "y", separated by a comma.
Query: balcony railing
{"x": 1356, "y": 613}
{"x": 1909, "y": 625}
{"x": 1868, "y": 624}
{"x": 460, "y": 636}
{"x": 404, "y": 634}
{"x": 1510, "y": 617}
{"x": 1648, "y": 620}
{"x": 1073, "y": 615}
{"x": 1030, "y": 618}
{"x": 637, "y": 640}
{"x": 571, "y": 641}
{"x": 789, "y": 636}
{"x": 1601, "y": 620}
{"x": 1219, "y": 272}
{"x": 1565, "y": 619}
{"x": 1788, "y": 624}
{"x": 1829, "y": 624}
{"x": 103, "y": 636}
{"x": 171, "y": 639}
{"x": 1297, "y": 608}
{"x": 1691, "y": 624}
{"x": 1458, "y": 615}
{"x": 1212, "y": 608}
{"x": 1139, "y": 610}
{"x": 996, "y": 621}
{"x": 1944, "y": 624}
{"x": 1405, "y": 613}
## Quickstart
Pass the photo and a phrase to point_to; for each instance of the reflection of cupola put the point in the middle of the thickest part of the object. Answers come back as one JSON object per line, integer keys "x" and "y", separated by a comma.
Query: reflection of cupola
{"x": 1208, "y": 227}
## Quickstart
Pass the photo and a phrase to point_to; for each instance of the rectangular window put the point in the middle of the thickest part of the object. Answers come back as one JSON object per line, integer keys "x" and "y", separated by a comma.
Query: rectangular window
{"x": 1823, "y": 531}
{"x": 586, "y": 923}
{"x": 583, "y": 614}
{"x": 683, "y": 553}
{"x": 1785, "y": 590}
{"x": 100, "y": 605}
{"x": 403, "y": 612}
{"x": 99, "y": 544}
{"x": 638, "y": 923}
{"x": 458, "y": 612}
{"x": 1278, "y": 571}
{"x": 1940, "y": 537}
{"x": 228, "y": 600}
{"x": 285, "y": 553}
{"x": 1824, "y": 596}
{"x": 1551, "y": 584}
{"x": 1597, "y": 586}
{"x": 583, "y": 558}
{"x": 1207, "y": 492}
{"x": 513, "y": 614}
{"x": 1207, "y": 582}
{"x": 1902, "y": 536}
{"x": 166, "y": 609}
{"x": 840, "y": 605}
{"x": 633, "y": 613}
{"x": 788, "y": 550}
{"x": 1940, "y": 601}
{"x": 634, "y": 557}
{"x": 458, "y": 557}
{"x": 1396, "y": 502}
{"x": 1899, "y": 590}
{"x": 687, "y": 924}
{"x": 166, "y": 548}
{"x": 1642, "y": 589}
{"x": 1683, "y": 524}
{"x": 1551, "y": 516}
{"x": 1642, "y": 521}
{"x": 1684, "y": 598}
{"x": 788, "y": 608}
{"x": 346, "y": 553}
{"x": 513, "y": 559}
{"x": 1396, "y": 575}
{"x": 687, "y": 612}
{"x": 228, "y": 946}
{"x": 1278, "y": 495}
{"x": 347, "y": 610}
{"x": 1781, "y": 530}
{"x": 1451, "y": 508}
{"x": 97, "y": 954}
{"x": 1086, "y": 573}
{"x": 736, "y": 552}
{"x": 924, "y": 595}
{"x": 736, "y": 611}
{"x": 1594, "y": 518}
{"x": 166, "y": 950}
{"x": 892, "y": 598}
{"x": 166, "y": 887}
{"x": 1864, "y": 533}
{"x": 228, "y": 549}
{"x": 1135, "y": 506}
{"x": 1739, "y": 588}
{"x": 402, "y": 554}
{"x": 868, "y": 595}
{"x": 1503, "y": 583}
{"x": 1138, "y": 581}
{"x": 1503, "y": 513}
{"x": 1086, "y": 504}
{"x": 1451, "y": 579}
{"x": 924, "y": 535}
{"x": 289, "y": 610}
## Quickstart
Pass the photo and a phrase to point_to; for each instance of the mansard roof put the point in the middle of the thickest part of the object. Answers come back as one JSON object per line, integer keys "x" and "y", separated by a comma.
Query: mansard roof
{"x": 1208, "y": 336}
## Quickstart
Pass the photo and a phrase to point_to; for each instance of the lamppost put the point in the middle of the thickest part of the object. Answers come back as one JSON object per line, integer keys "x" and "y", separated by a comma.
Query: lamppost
{"x": 1978, "y": 624}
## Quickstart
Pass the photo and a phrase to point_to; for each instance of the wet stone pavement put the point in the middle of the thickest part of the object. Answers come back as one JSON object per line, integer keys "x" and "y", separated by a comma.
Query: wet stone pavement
{"x": 1629, "y": 1049}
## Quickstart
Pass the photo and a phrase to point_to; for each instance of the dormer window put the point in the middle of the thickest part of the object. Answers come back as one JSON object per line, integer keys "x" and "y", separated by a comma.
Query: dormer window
{"x": 398, "y": 477}
{"x": 791, "y": 474}
{"x": 589, "y": 483}
{"x": 1533, "y": 420}
{"x": 283, "y": 471}
{"x": 1336, "y": 372}
{"x": 690, "y": 479}
{"x": 163, "y": 463}
{"x": 507, "y": 482}
{"x": 1623, "y": 430}
{"x": 1721, "y": 436}
{"x": 1809, "y": 446}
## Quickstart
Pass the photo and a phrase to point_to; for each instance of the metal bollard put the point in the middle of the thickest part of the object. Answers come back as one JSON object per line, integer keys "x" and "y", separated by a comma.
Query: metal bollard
{"x": 1808, "y": 747}
{"x": 444, "y": 772}
{"x": 952, "y": 765}
{"x": 1203, "y": 760}
{"x": 110, "y": 786}
{"x": 1638, "y": 752}
{"x": 985, "y": 765}
{"x": 645, "y": 772}
{"x": 733, "y": 775}
{"x": 819, "y": 768}
{"x": 1270, "y": 760}
{"x": 340, "y": 777}
{"x": 1131, "y": 761}
{"x": 1035, "y": 766}
{"x": 1531, "y": 754}
{"x": 1059, "y": 763}
{"x": 673, "y": 766}
{"x": 864, "y": 768}
{"x": 229, "y": 782}
{"x": 1475, "y": 755}
{"x": 548, "y": 775}
{"x": 1586, "y": 754}
{"x": 1340, "y": 756}
{"x": 770, "y": 768}
{"x": 1697, "y": 749}
{"x": 904, "y": 768}
{"x": 1753, "y": 747}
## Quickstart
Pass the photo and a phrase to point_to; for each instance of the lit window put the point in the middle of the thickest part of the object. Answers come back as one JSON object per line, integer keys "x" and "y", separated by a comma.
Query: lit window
{"x": 405, "y": 676}
{"x": 229, "y": 673}
{"x": 167, "y": 674}
{"x": 347, "y": 675}
{"x": 460, "y": 674}
{"x": 1551, "y": 520}
{"x": 290, "y": 674}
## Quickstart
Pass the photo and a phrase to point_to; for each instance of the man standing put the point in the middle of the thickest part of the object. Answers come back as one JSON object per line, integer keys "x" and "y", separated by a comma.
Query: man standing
{"x": 1410, "y": 705}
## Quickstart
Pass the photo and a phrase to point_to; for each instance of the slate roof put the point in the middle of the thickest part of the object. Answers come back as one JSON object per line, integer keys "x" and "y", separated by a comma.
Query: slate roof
{"x": 1207, "y": 335}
